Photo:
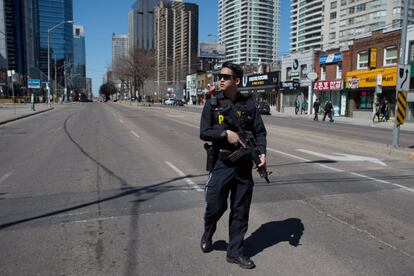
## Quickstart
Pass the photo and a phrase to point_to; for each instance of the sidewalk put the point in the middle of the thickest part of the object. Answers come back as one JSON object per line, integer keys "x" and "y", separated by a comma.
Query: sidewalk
{"x": 408, "y": 126}
{"x": 11, "y": 112}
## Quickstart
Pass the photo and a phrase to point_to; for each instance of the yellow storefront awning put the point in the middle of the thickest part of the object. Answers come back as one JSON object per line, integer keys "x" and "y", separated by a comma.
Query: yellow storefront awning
{"x": 368, "y": 78}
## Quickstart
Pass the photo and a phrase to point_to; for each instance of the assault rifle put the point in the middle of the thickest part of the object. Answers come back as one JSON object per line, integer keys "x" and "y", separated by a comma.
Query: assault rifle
{"x": 235, "y": 123}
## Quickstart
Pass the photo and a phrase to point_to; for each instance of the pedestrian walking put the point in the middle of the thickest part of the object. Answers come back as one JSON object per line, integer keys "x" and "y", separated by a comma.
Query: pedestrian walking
{"x": 385, "y": 111}
{"x": 303, "y": 107}
{"x": 328, "y": 111}
{"x": 316, "y": 106}
{"x": 377, "y": 112}
{"x": 226, "y": 177}
{"x": 297, "y": 105}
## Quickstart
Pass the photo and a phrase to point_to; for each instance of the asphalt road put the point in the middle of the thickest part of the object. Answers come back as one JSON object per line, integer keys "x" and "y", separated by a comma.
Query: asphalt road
{"x": 107, "y": 189}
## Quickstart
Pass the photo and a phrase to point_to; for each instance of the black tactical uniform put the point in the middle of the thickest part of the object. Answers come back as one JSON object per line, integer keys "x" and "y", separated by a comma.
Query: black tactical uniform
{"x": 230, "y": 178}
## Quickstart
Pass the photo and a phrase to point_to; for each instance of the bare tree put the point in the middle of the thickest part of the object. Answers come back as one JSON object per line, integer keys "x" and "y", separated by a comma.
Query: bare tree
{"x": 134, "y": 69}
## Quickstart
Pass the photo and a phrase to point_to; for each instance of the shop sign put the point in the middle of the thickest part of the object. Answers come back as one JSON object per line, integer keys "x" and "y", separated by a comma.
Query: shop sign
{"x": 368, "y": 78}
{"x": 332, "y": 58}
{"x": 353, "y": 83}
{"x": 372, "y": 58}
{"x": 328, "y": 85}
{"x": 271, "y": 78}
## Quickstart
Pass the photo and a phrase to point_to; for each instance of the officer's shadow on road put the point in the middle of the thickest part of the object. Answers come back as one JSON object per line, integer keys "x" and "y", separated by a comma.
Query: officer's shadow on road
{"x": 269, "y": 234}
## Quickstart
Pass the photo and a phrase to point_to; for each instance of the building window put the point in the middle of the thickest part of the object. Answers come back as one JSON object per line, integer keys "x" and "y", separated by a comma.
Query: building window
{"x": 362, "y": 61}
{"x": 360, "y": 7}
{"x": 343, "y": 2}
{"x": 411, "y": 52}
{"x": 390, "y": 56}
{"x": 351, "y": 10}
{"x": 339, "y": 71}
{"x": 333, "y": 5}
{"x": 288, "y": 73}
{"x": 303, "y": 70}
{"x": 333, "y": 15}
{"x": 323, "y": 73}
{"x": 332, "y": 35}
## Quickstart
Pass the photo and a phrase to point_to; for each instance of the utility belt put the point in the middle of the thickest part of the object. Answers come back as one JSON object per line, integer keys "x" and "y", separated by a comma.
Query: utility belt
{"x": 228, "y": 157}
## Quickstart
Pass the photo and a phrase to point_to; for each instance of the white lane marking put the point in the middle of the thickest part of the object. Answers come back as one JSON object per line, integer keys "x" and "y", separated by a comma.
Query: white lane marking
{"x": 186, "y": 179}
{"x": 176, "y": 116}
{"x": 338, "y": 170}
{"x": 344, "y": 157}
{"x": 4, "y": 177}
{"x": 121, "y": 121}
{"x": 133, "y": 133}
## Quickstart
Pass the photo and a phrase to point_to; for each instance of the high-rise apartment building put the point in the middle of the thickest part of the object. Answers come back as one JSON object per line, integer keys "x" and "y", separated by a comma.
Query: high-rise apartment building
{"x": 79, "y": 58}
{"x": 141, "y": 24}
{"x": 306, "y": 21}
{"x": 327, "y": 24}
{"x": 176, "y": 41}
{"x": 119, "y": 48}
{"x": 345, "y": 19}
{"x": 250, "y": 30}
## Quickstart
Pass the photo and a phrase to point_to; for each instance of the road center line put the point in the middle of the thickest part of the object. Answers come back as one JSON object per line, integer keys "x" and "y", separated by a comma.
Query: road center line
{"x": 4, "y": 177}
{"x": 133, "y": 133}
{"x": 339, "y": 170}
{"x": 186, "y": 179}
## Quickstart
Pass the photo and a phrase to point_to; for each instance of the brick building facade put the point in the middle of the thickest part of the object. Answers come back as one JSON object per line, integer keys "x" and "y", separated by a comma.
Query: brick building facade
{"x": 372, "y": 74}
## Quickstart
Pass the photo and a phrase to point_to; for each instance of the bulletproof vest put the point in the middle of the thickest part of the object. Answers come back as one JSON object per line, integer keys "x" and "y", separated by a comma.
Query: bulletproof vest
{"x": 229, "y": 114}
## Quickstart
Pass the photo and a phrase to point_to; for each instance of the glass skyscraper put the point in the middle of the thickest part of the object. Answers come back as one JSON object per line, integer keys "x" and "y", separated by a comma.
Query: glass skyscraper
{"x": 79, "y": 59}
{"x": 50, "y": 14}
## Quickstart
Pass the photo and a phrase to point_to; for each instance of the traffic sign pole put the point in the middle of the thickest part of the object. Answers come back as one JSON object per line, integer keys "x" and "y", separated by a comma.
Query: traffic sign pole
{"x": 396, "y": 129}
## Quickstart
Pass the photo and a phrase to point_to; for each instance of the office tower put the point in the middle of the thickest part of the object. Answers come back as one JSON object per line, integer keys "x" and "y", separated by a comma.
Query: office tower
{"x": 119, "y": 49}
{"x": 249, "y": 29}
{"x": 79, "y": 58}
{"x": 51, "y": 15}
{"x": 176, "y": 41}
{"x": 141, "y": 24}
{"x": 306, "y": 25}
{"x": 14, "y": 29}
{"x": 346, "y": 19}
{"x": 3, "y": 45}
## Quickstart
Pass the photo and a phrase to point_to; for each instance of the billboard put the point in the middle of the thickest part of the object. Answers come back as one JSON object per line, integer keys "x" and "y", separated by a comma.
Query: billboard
{"x": 211, "y": 50}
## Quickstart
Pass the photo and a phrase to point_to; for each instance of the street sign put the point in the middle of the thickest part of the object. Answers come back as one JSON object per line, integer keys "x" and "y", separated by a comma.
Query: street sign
{"x": 403, "y": 81}
{"x": 401, "y": 107}
{"x": 33, "y": 83}
{"x": 312, "y": 75}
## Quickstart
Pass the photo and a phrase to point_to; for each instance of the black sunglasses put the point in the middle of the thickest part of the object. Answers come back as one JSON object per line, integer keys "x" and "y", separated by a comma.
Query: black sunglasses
{"x": 226, "y": 77}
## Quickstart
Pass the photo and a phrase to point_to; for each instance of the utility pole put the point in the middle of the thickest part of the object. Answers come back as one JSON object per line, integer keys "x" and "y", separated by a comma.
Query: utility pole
{"x": 396, "y": 129}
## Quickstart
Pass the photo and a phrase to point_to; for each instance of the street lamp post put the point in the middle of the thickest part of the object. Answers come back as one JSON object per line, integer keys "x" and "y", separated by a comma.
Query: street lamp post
{"x": 48, "y": 57}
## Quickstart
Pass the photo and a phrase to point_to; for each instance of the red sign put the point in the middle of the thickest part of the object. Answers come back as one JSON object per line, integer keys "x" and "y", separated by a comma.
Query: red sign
{"x": 328, "y": 85}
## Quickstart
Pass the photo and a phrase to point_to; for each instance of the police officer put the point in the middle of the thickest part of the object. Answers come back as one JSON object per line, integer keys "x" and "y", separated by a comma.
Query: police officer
{"x": 234, "y": 178}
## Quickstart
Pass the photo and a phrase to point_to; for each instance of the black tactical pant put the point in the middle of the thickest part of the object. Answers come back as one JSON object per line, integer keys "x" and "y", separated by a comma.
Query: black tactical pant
{"x": 238, "y": 182}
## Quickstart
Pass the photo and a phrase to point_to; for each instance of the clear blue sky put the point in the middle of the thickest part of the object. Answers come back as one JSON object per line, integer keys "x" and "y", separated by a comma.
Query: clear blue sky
{"x": 101, "y": 18}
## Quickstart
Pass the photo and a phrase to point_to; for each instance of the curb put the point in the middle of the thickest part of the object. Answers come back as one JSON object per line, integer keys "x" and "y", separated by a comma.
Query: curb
{"x": 25, "y": 116}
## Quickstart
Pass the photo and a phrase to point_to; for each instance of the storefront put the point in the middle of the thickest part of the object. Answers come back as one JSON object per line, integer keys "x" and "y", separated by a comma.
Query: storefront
{"x": 331, "y": 91}
{"x": 263, "y": 87}
{"x": 364, "y": 85}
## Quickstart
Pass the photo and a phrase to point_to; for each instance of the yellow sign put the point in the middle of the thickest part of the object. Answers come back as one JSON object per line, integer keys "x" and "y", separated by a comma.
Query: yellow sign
{"x": 368, "y": 78}
{"x": 372, "y": 58}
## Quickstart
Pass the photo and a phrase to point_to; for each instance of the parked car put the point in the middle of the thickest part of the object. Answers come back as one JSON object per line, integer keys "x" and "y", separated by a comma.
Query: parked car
{"x": 178, "y": 102}
{"x": 169, "y": 101}
{"x": 264, "y": 108}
